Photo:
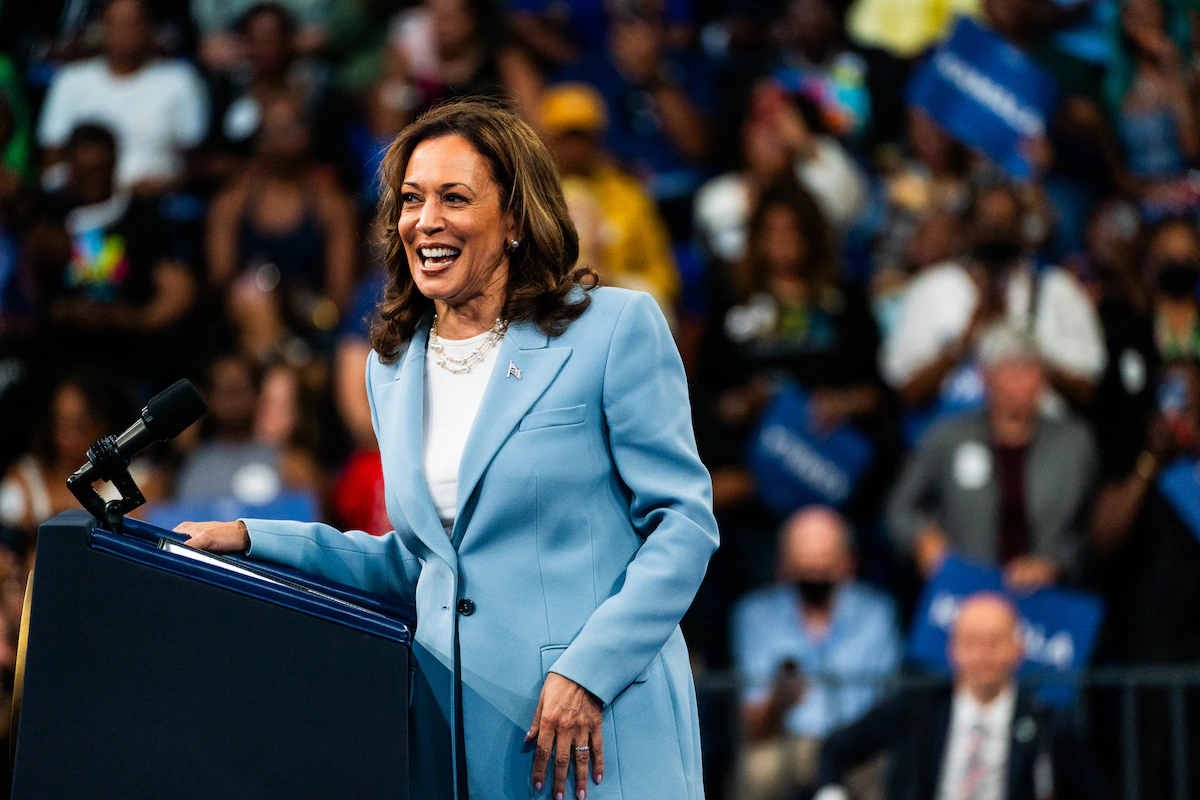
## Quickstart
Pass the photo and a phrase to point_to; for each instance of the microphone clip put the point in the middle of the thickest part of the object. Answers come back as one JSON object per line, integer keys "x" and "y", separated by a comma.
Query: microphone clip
{"x": 105, "y": 462}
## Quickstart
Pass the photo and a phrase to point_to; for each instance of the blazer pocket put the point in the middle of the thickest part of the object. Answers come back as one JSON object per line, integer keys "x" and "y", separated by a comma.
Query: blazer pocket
{"x": 551, "y": 417}
{"x": 551, "y": 652}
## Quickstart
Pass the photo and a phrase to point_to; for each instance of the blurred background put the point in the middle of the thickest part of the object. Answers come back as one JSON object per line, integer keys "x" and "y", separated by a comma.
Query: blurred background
{"x": 933, "y": 267}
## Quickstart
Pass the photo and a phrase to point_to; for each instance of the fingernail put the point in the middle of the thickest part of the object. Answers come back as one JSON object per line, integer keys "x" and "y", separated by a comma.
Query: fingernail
{"x": 558, "y": 796}
{"x": 537, "y": 787}
{"x": 528, "y": 736}
{"x": 581, "y": 794}
{"x": 599, "y": 777}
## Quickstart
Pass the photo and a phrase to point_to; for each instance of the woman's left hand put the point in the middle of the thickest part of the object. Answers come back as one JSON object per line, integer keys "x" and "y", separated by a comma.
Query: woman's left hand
{"x": 569, "y": 715}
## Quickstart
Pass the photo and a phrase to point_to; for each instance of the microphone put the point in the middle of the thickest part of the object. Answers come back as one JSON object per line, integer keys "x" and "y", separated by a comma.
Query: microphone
{"x": 166, "y": 416}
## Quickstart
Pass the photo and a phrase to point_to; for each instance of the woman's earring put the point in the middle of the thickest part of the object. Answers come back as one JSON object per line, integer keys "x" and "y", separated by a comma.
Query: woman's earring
{"x": 514, "y": 244}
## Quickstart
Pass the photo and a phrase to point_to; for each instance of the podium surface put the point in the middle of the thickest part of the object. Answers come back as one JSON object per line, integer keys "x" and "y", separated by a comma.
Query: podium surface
{"x": 151, "y": 672}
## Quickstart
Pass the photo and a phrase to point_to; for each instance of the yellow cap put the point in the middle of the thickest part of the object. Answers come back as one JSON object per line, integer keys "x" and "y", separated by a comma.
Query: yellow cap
{"x": 573, "y": 107}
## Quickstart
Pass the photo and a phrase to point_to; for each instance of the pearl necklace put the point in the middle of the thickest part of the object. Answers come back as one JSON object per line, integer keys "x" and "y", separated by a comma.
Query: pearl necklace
{"x": 461, "y": 365}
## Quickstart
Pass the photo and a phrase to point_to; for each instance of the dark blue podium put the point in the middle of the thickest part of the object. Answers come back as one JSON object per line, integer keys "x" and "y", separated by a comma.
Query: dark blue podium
{"x": 149, "y": 671}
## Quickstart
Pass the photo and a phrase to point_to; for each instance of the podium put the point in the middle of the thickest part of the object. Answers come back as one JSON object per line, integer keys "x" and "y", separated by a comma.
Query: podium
{"x": 147, "y": 670}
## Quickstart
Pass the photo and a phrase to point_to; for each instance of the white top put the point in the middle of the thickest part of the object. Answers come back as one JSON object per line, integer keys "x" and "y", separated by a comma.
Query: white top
{"x": 723, "y": 203}
{"x": 939, "y": 302}
{"x": 992, "y": 725}
{"x": 155, "y": 113}
{"x": 451, "y": 403}
{"x": 995, "y": 722}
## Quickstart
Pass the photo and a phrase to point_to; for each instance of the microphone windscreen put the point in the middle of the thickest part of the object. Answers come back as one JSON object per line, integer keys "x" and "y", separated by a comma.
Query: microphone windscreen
{"x": 173, "y": 409}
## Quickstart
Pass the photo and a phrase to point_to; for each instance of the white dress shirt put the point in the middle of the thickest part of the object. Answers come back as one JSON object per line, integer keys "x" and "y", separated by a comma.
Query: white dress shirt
{"x": 451, "y": 403}
{"x": 995, "y": 719}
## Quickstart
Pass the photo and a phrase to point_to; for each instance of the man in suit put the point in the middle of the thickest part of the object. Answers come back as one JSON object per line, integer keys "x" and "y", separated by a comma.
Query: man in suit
{"x": 984, "y": 739}
{"x": 1007, "y": 484}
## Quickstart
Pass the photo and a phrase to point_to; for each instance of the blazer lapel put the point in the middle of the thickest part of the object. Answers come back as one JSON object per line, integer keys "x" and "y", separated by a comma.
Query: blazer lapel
{"x": 1022, "y": 741}
{"x": 509, "y": 394}
{"x": 408, "y": 392}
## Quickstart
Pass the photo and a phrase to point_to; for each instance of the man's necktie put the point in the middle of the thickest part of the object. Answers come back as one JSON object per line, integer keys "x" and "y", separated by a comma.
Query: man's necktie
{"x": 975, "y": 775}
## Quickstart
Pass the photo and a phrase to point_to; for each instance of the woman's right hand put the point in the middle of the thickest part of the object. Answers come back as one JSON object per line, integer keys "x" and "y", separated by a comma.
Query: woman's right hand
{"x": 216, "y": 537}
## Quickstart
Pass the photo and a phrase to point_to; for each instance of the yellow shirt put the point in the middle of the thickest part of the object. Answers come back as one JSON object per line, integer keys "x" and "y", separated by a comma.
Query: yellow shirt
{"x": 621, "y": 234}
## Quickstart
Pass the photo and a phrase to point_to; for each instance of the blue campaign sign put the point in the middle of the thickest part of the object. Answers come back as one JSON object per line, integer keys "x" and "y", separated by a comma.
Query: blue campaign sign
{"x": 796, "y": 464}
{"x": 1093, "y": 36}
{"x": 987, "y": 94}
{"x": 1058, "y": 626}
{"x": 1180, "y": 485}
{"x": 287, "y": 505}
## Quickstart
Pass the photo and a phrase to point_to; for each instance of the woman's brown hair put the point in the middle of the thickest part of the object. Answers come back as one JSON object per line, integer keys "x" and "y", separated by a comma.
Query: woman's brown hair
{"x": 820, "y": 267}
{"x": 541, "y": 272}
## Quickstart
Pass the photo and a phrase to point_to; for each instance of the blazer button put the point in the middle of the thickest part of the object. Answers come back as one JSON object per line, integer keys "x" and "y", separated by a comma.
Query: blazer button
{"x": 466, "y": 607}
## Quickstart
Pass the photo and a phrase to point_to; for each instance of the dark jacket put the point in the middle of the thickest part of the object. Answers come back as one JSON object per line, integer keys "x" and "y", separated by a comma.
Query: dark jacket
{"x": 913, "y": 728}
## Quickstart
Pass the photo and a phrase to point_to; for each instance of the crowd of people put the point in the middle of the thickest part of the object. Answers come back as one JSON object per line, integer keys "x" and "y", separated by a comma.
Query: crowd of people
{"x": 187, "y": 190}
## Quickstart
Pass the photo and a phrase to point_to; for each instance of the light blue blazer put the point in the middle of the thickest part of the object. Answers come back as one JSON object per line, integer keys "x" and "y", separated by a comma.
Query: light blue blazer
{"x": 584, "y": 529}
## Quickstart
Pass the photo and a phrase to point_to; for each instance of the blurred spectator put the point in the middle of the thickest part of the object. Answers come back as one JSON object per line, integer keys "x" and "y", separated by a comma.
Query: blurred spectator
{"x": 269, "y": 70}
{"x": 813, "y": 649}
{"x": 947, "y": 306}
{"x": 157, "y": 109}
{"x": 777, "y": 143}
{"x": 660, "y": 104}
{"x": 231, "y": 461}
{"x": 359, "y": 499}
{"x": 391, "y": 103}
{"x": 1007, "y": 485}
{"x": 936, "y": 237}
{"x": 454, "y": 48}
{"x": 44, "y": 35}
{"x": 561, "y": 33}
{"x": 286, "y": 223}
{"x": 221, "y": 49}
{"x": 932, "y": 180}
{"x": 107, "y": 268}
{"x": 287, "y": 416}
{"x": 1172, "y": 263}
{"x": 1125, "y": 395}
{"x": 1146, "y": 545}
{"x": 1154, "y": 600}
{"x": 84, "y": 406}
{"x": 988, "y": 739}
{"x": 1152, "y": 101}
{"x": 621, "y": 234}
{"x": 813, "y": 60}
{"x": 791, "y": 317}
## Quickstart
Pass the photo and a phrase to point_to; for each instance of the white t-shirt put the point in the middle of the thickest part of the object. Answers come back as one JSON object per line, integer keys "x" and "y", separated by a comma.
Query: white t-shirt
{"x": 994, "y": 723}
{"x": 155, "y": 113}
{"x": 939, "y": 302}
{"x": 451, "y": 403}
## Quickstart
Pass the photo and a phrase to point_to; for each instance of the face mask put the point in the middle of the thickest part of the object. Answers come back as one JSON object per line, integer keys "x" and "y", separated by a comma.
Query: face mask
{"x": 996, "y": 254}
{"x": 816, "y": 594}
{"x": 1177, "y": 279}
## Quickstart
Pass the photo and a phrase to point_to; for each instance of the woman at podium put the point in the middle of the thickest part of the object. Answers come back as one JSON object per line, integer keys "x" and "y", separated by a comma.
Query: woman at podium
{"x": 552, "y": 520}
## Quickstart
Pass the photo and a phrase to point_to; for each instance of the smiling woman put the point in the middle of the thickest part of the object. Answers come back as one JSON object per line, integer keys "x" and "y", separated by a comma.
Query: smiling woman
{"x": 552, "y": 518}
{"x": 460, "y": 185}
